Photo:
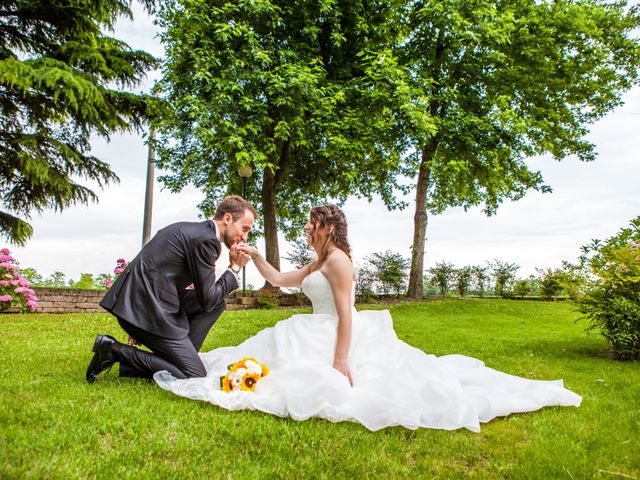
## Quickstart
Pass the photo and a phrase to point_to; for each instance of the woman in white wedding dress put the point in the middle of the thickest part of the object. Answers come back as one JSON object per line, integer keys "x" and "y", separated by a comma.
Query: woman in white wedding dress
{"x": 341, "y": 364}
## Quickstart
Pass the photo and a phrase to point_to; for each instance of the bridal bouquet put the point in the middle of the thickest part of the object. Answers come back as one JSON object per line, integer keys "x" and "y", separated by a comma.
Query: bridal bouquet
{"x": 243, "y": 375}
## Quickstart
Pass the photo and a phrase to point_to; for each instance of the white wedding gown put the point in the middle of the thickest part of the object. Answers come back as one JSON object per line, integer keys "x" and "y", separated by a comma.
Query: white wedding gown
{"x": 394, "y": 383}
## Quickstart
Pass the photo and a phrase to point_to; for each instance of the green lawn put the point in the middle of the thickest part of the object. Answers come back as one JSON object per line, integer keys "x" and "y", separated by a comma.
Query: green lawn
{"x": 55, "y": 425}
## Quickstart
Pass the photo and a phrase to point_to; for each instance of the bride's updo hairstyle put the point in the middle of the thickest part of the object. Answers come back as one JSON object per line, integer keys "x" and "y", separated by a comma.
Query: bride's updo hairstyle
{"x": 323, "y": 217}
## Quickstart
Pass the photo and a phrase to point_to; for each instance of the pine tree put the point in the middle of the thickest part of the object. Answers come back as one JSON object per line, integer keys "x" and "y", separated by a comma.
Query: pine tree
{"x": 61, "y": 81}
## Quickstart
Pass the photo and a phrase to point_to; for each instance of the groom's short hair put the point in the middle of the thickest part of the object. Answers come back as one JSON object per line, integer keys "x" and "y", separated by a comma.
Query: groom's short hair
{"x": 236, "y": 206}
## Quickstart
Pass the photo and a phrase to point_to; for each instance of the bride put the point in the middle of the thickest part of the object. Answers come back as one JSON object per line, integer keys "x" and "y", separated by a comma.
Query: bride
{"x": 341, "y": 364}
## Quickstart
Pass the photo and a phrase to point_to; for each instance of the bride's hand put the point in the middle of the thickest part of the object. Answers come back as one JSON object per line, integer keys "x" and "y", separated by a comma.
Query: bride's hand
{"x": 343, "y": 367}
{"x": 248, "y": 249}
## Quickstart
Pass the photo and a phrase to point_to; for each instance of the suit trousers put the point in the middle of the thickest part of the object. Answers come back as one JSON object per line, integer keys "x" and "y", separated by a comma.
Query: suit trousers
{"x": 177, "y": 356}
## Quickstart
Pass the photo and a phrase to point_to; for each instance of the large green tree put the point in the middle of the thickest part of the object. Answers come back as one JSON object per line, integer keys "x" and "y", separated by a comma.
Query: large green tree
{"x": 303, "y": 91}
{"x": 60, "y": 81}
{"x": 506, "y": 81}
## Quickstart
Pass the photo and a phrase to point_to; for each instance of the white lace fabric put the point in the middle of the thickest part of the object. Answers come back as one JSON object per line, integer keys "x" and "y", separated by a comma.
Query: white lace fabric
{"x": 394, "y": 383}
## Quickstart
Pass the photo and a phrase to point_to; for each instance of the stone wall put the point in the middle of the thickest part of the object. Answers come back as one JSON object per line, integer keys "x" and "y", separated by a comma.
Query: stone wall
{"x": 68, "y": 300}
{"x": 72, "y": 300}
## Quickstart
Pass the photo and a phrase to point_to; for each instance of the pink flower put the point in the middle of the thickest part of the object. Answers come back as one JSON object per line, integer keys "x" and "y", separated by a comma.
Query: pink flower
{"x": 108, "y": 282}
{"x": 24, "y": 282}
{"x": 4, "y": 283}
{"x": 118, "y": 270}
{"x": 121, "y": 261}
{"x": 6, "y": 298}
{"x": 20, "y": 290}
{"x": 5, "y": 251}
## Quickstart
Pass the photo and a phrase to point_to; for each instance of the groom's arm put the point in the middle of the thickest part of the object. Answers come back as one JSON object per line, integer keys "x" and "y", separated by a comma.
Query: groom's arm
{"x": 201, "y": 257}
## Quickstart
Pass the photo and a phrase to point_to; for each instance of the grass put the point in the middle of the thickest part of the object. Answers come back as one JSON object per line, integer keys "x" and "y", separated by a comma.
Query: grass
{"x": 55, "y": 425}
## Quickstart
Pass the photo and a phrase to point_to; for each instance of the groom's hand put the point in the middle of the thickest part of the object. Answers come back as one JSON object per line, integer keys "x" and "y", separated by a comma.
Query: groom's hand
{"x": 238, "y": 257}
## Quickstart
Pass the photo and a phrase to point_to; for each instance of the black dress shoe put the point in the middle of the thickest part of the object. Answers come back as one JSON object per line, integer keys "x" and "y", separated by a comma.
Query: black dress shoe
{"x": 103, "y": 357}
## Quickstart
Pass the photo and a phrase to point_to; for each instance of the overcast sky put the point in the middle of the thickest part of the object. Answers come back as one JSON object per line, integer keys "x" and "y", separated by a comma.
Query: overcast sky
{"x": 590, "y": 200}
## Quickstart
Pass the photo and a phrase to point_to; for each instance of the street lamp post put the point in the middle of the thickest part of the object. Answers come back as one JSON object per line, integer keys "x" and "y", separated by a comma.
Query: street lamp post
{"x": 148, "y": 197}
{"x": 245, "y": 172}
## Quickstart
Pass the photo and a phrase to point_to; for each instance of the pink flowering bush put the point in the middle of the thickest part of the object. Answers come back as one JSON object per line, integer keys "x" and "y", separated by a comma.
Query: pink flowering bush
{"x": 14, "y": 290}
{"x": 121, "y": 263}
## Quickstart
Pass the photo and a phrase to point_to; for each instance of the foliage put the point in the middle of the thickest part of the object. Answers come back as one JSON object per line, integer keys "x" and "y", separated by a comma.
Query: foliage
{"x": 506, "y": 81}
{"x": 504, "y": 275}
{"x": 462, "y": 277}
{"x": 481, "y": 277}
{"x": 428, "y": 288}
{"x": 32, "y": 275}
{"x": 14, "y": 289}
{"x": 551, "y": 282}
{"x": 58, "y": 89}
{"x": 55, "y": 280}
{"x": 299, "y": 90}
{"x": 265, "y": 302}
{"x": 365, "y": 281}
{"x": 441, "y": 275}
{"x": 390, "y": 271}
{"x": 522, "y": 288}
{"x": 301, "y": 254}
{"x": 86, "y": 282}
{"x": 574, "y": 279}
{"x": 612, "y": 299}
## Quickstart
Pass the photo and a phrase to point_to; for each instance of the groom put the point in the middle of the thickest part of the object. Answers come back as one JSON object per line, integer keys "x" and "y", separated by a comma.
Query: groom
{"x": 152, "y": 303}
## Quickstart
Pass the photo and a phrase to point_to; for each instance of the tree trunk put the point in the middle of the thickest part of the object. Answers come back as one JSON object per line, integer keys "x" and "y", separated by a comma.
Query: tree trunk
{"x": 270, "y": 184}
{"x": 272, "y": 251}
{"x": 416, "y": 284}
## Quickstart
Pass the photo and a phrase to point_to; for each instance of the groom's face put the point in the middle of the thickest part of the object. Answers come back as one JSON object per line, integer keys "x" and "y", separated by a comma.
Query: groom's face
{"x": 237, "y": 231}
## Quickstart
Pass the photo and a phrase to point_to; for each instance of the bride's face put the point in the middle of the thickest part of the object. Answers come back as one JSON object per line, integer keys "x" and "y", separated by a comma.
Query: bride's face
{"x": 312, "y": 229}
{"x": 309, "y": 228}
{"x": 315, "y": 233}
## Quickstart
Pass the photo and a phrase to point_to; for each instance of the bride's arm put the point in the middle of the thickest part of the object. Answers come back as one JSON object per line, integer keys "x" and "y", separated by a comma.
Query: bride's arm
{"x": 339, "y": 271}
{"x": 271, "y": 274}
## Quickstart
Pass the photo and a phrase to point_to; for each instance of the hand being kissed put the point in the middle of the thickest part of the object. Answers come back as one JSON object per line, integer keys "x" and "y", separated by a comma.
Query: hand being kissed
{"x": 237, "y": 256}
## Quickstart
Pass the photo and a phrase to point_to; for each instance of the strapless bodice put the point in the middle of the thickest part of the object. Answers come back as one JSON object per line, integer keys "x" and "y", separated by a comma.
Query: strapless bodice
{"x": 318, "y": 289}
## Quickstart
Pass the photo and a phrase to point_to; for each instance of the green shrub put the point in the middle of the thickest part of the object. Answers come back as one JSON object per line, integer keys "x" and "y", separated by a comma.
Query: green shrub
{"x": 265, "y": 302}
{"x": 504, "y": 275}
{"x": 612, "y": 298}
{"x": 522, "y": 288}
{"x": 551, "y": 282}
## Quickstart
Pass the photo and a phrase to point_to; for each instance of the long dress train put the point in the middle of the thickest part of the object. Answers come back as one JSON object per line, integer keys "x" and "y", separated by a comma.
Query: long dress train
{"x": 394, "y": 383}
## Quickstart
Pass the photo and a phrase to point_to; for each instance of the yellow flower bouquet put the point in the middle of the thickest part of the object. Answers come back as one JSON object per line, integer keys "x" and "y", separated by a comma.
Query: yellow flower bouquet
{"x": 243, "y": 375}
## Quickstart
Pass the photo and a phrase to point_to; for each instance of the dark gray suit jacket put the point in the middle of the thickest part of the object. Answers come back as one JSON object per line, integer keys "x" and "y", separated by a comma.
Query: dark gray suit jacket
{"x": 151, "y": 294}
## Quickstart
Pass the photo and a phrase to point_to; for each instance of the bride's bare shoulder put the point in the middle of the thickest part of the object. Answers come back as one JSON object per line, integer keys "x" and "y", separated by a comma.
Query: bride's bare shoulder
{"x": 338, "y": 263}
